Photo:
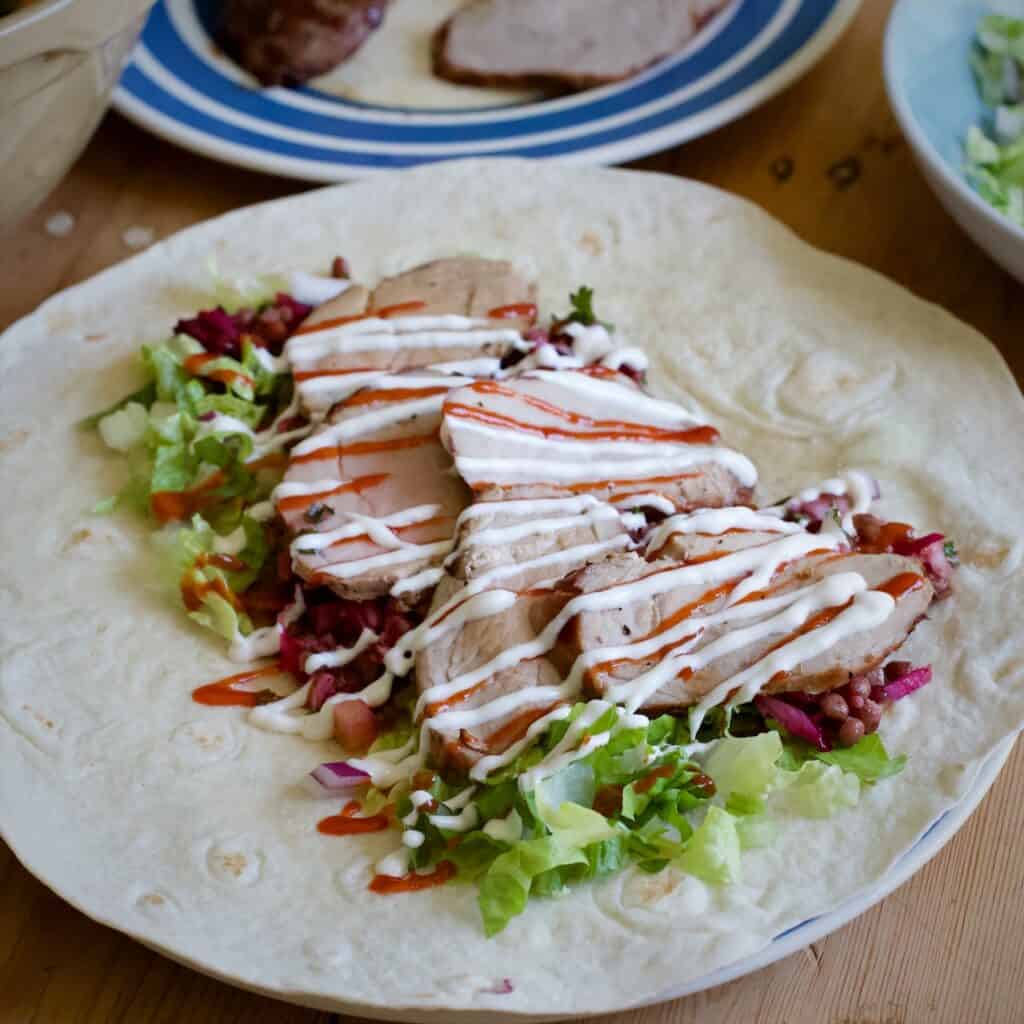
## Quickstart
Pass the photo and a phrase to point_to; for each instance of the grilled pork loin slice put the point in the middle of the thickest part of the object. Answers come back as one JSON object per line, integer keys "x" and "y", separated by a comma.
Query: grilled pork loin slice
{"x": 473, "y": 645}
{"x": 286, "y": 42}
{"x": 458, "y": 311}
{"x": 539, "y": 540}
{"x": 563, "y": 44}
{"x": 672, "y": 621}
{"x": 593, "y": 431}
{"x": 371, "y": 495}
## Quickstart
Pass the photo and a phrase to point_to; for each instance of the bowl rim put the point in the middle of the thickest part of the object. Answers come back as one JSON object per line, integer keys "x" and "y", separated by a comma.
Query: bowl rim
{"x": 922, "y": 143}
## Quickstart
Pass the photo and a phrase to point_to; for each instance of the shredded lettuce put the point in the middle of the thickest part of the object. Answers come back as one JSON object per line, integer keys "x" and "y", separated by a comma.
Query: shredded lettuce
{"x": 994, "y": 153}
{"x": 745, "y": 768}
{"x": 713, "y": 852}
{"x": 819, "y": 790}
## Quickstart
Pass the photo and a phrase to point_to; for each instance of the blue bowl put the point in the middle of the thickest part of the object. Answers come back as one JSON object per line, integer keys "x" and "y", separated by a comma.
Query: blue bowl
{"x": 932, "y": 92}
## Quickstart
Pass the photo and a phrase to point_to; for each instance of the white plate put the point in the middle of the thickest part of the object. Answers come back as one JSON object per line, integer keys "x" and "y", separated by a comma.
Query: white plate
{"x": 179, "y": 86}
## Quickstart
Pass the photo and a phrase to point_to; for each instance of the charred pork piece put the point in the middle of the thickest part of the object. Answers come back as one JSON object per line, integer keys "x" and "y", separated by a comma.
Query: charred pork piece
{"x": 569, "y": 432}
{"x": 287, "y": 42}
{"x": 563, "y": 44}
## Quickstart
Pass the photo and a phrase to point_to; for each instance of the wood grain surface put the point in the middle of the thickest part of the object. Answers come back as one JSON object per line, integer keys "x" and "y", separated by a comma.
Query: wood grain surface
{"x": 827, "y": 159}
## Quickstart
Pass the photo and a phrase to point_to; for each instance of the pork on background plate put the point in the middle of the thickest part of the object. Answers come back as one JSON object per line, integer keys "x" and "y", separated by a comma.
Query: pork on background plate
{"x": 563, "y": 44}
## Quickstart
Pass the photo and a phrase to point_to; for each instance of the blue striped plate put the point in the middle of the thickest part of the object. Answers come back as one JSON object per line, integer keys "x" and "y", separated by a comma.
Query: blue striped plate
{"x": 179, "y": 86}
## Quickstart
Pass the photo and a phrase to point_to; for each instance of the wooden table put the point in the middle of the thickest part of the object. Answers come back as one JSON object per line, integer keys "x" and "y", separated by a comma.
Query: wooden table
{"x": 949, "y": 945}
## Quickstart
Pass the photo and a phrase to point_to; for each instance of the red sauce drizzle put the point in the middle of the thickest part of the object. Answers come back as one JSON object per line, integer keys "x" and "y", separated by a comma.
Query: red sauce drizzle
{"x": 514, "y": 729}
{"x": 383, "y": 313}
{"x": 347, "y": 824}
{"x": 194, "y": 366}
{"x": 385, "y": 885}
{"x": 366, "y": 448}
{"x": 514, "y": 311}
{"x": 170, "y": 506}
{"x": 595, "y": 429}
{"x": 358, "y": 485}
{"x": 222, "y": 693}
{"x": 888, "y": 535}
{"x": 901, "y": 584}
{"x": 370, "y": 396}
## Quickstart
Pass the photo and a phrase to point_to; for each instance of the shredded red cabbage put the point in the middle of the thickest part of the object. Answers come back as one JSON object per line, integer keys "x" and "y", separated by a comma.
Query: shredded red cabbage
{"x": 907, "y": 683}
{"x": 221, "y": 332}
{"x": 330, "y": 622}
{"x": 794, "y": 720}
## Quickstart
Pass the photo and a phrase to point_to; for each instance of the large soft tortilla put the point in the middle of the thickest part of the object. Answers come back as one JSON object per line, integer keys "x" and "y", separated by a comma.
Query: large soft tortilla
{"x": 185, "y": 827}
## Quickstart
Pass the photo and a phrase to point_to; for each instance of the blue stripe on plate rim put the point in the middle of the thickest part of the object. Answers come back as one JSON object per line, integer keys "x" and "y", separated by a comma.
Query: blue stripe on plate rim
{"x": 680, "y": 98}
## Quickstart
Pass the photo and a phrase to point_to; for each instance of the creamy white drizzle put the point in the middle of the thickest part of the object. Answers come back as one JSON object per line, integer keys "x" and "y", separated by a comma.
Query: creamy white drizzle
{"x": 373, "y": 563}
{"x": 341, "y": 655}
{"x": 376, "y": 419}
{"x": 485, "y": 366}
{"x": 656, "y": 501}
{"x": 716, "y": 521}
{"x": 661, "y": 460}
{"x": 314, "y": 289}
{"x": 379, "y": 530}
{"x": 262, "y": 643}
{"x": 417, "y": 582}
{"x": 374, "y": 334}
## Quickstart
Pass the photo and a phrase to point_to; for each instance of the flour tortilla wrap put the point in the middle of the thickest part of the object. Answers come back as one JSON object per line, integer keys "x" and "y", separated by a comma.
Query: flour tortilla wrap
{"x": 186, "y": 827}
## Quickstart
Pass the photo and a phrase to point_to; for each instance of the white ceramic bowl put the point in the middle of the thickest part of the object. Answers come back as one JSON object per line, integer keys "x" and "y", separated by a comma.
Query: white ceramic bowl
{"x": 932, "y": 92}
{"x": 59, "y": 61}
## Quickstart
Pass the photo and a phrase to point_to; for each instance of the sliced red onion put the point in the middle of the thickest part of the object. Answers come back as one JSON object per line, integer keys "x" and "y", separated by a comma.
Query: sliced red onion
{"x": 794, "y": 720}
{"x": 503, "y": 987}
{"x": 907, "y": 684}
{"x": 337, "y": 777}
{"x": 206, "y": 417}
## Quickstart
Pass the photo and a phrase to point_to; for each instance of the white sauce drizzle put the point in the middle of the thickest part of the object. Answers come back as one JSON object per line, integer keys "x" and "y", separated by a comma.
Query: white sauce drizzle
{"x": 379, "y": 530}
{"x": 262, "y": 643}
{"x": 341, "y": 655}
{"x": 314, "y": 289}
{"x": 716, "y": 521}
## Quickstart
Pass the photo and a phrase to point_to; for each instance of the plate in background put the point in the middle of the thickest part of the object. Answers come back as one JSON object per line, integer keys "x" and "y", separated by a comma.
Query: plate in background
{"x": 181, "y": 87}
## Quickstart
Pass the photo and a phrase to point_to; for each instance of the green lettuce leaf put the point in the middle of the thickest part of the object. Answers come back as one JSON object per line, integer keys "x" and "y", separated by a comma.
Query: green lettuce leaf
{"x": 745, "y": 767}
{"x": 820, "y": 790}
{"x": 713, "y": 851}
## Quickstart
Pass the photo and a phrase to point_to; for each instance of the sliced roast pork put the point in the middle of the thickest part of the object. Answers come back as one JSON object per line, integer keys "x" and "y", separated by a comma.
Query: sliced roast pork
{"x": 747, "y": 604}
{"x": 563, "y": 44}
{"x": 558, "y": 433}
{"x": 371, "y": 496}
{"x": 466, "y": 312}
{"x": 686, "y": 620}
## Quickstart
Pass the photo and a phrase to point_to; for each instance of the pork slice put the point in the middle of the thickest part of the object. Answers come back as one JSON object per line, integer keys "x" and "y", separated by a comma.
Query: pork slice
{"x": 635, "y": 621}
{"x": 474, "y": 644}
{"x": 563, "y": 44}
{"x": 335, "y": 347}
{"x": 539, "y": 541}
{"x": 559, "y": 433}
{"x": 287, "y": 42}
{"x": 393, "y": 470}
{"x": 466, "y": 286}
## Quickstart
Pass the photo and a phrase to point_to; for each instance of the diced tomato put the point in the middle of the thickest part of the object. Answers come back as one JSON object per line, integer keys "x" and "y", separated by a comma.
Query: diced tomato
{"x": 355, "y": 726}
